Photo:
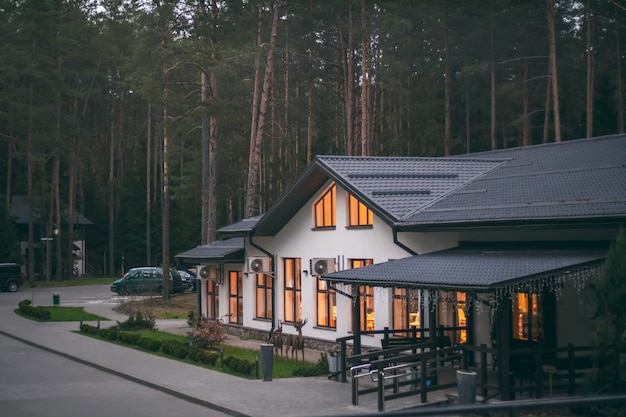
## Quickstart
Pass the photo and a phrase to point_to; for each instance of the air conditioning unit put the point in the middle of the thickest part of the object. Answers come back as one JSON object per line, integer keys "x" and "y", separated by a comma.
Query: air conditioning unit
{"x": 257, "y": 265}
{"x": 207, "y": 272}
{"x": 321, "y": 266}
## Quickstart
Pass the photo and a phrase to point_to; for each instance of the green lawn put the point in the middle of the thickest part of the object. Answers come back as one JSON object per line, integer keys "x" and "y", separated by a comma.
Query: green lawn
{"x": 65, "y": 314}
{"x": 283, "y": 368}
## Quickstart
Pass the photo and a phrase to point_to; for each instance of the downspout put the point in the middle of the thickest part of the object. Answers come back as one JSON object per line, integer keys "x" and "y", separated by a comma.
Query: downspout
{"x": 254, "y": 245}
{"x": 402, "y": 245}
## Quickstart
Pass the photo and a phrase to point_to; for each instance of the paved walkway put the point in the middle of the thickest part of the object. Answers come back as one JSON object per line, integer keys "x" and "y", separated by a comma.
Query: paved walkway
{"x": 315, "y": 396}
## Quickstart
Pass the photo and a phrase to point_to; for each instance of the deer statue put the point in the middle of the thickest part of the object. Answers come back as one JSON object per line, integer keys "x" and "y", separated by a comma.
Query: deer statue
{"x": 277, "y": 339}
{"x": 296, "y": 342}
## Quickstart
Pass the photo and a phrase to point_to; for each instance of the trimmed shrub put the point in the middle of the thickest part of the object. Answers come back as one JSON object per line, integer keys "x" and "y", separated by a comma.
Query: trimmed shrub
{"x": 89, "y": 329}
{"x": 27, "y": 309}
{"x": 149, "y": 344}
{"x": 205, "y": 356}
{"x": 175, "y": 348}
{"x": 128, "y": 338}
{"x": 242, "y": 366}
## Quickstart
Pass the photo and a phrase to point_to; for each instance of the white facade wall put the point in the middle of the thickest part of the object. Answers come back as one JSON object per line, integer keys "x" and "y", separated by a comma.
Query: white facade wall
{"x": 299, "y": 239}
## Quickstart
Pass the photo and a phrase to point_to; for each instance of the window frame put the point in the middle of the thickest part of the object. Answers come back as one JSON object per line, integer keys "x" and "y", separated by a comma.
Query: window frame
{"x": 367, "y": 297}
{"x": 359, "y": 215}
{"x": 212, "y": 291}
{"x": 325, "y": 209}
{"x": 326, "y": 305}
{"x": 405, "y": 303}
{"x": 263, "y": 296}
{"x": 235, "y": 298}
{"x": 292, "y": 290}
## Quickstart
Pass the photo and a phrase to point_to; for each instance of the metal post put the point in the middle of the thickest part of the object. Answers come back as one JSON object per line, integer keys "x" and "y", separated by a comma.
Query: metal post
{"x": 47, "y": 240}
{"x": 466, "y": 385}
{"x": 267, "y": 361}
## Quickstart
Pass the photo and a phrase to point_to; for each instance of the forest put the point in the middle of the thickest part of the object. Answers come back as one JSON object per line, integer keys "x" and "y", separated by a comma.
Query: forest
{"x": 163, "y": 120}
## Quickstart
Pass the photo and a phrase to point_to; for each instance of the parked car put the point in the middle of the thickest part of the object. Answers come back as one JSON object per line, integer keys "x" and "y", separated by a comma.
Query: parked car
{"x": 147, "y": 279}
{"x": 11, "y": 276}
{"x": 189, "y": 280}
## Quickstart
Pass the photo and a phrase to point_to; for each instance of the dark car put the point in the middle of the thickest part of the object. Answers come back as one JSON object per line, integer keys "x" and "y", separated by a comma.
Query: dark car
{"x": 11, "y": 276}
{"x": 189, "y": 280}
{"x": 147, "y": 279}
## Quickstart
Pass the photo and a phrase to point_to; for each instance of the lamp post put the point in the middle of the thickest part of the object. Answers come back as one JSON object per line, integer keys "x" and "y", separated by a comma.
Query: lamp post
{"x": 47, "y": 240}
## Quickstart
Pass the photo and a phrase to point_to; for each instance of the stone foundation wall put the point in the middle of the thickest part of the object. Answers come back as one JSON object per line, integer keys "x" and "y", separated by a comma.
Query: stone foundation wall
{"x": 263, "y": 336}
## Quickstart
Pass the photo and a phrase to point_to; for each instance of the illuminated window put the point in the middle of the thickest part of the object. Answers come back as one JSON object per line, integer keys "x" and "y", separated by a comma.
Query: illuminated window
{"x": 212, "y": 299}
{"x": 367, "y": 297}
{"x": 293, "y": 295}
{"x": 325, "y": 209}
{"x": 452, "y": 314}
{"x": 527, "y": 315}
{"x": 406, "y": 308}
{"x": 358, "y": 213}
{"x": 235, "y": 296}
{"x": 263, "y": 296}
{"x": 326, "y": 305}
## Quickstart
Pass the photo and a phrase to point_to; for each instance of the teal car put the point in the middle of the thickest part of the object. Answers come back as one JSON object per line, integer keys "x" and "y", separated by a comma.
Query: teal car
{"x": 146, "y": 280}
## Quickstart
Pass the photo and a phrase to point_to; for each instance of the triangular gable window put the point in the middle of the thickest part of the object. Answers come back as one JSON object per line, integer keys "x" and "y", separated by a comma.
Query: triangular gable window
{"x": 358, "y": 213}
{"x": 325, "y": 209}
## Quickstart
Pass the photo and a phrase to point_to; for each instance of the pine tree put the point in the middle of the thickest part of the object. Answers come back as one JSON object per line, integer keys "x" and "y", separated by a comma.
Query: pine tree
{"x": 610, "y": 297}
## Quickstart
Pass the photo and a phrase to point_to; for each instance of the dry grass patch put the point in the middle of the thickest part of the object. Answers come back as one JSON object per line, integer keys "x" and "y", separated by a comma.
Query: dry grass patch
{"x": 177, "y": 307}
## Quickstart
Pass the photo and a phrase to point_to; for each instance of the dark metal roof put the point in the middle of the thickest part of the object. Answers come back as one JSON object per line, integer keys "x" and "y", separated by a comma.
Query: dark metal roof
{"x": 391, "y": 186}
{"x": 242, "y": 228}
{"x": 573, "y": 181}
{"x": 228, "y": 250}
{"x": 568, "y": 181}
{"x": 20, "y": 209}
{"x": 465, "y": 269}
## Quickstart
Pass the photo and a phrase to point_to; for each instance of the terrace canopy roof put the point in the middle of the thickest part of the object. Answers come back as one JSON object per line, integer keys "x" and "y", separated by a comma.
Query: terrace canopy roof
{"x": 228, "y": 250}
{"x": 479, "y": 270}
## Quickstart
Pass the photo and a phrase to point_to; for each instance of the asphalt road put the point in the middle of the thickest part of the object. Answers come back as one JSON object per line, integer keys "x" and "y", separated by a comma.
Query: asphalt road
{"x": 36, "y": 382}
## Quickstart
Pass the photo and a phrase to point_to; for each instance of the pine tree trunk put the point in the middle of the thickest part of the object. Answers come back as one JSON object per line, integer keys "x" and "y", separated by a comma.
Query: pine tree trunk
{"x": 148, "y": 186}
{"x": 252, "y": 203}
{"x": 446, "y": 83}
{"x": 365, "y": 87}
{"x": 492, "y": 73}
{"x": 618, "y": 76}
{"x": 553, "y": 71}
{"x": 589, "y": 17}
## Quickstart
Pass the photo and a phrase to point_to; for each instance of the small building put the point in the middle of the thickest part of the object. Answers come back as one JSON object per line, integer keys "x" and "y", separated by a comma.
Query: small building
{"x": 497, "y": 247}
{"x": 47, "y": 235}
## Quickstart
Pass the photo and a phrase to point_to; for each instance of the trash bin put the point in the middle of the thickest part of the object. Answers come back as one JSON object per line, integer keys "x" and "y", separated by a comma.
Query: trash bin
{"x": 333, "y": 362}
{"x": 55, "y": 298}
{"x": 267, "y": 361}
{"x": 466, "y": 384}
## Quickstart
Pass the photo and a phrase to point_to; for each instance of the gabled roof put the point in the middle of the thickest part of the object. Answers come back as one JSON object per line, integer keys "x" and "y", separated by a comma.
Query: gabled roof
{"x": 465, "y": 269}
{"x": 575, "y": 181}
{"x": 228, "y": 250}
{"x": 393, "y": 187}
{"x": 20, "y": 209}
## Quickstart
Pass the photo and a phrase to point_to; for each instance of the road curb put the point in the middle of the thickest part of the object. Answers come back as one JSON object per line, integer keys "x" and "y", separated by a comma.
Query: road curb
{"x": 131, "y": 378}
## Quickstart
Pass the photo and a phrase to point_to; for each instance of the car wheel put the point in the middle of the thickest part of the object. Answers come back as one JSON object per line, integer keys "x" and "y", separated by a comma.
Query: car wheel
{"x": 12, "y": 286}
{"x": 160, "y": 290}
{"x": 122, "y": 291}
